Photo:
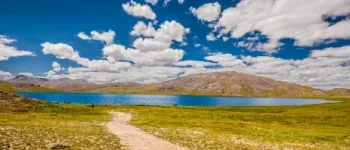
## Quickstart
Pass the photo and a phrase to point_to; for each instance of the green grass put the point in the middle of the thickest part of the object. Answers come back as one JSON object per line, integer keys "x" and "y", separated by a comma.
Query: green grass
{"x": 80, "y": 126}
{"x": 22, "y": 87}
{"x": 324, "y": 126}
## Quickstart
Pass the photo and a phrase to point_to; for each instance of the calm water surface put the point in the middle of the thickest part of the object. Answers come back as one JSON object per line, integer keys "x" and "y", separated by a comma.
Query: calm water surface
{"x": 166, "y": 100}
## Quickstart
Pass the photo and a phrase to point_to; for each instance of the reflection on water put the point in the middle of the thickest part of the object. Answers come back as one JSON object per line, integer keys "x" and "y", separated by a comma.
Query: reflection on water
{"x": 167, "y": 100}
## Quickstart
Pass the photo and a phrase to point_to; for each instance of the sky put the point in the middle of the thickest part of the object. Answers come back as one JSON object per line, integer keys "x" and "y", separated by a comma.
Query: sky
{"x": 305, "y": 42}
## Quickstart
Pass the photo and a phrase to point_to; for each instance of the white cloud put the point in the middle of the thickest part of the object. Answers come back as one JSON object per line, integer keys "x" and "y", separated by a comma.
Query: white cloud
{"x": 141, "y": 28}
{"x": 211, "y": 37}
{"x": 145, "y": 74}
{"x": 342, "y": 52}
{"x": 207, "y": 12}
{"x": 326, "y": 68}
{"x": 7, "y": 51}
{"x": 171, "y": 30}
{"x": 167, "y": 32}
{"x": 225, "y": 60}
{"x": 5, "y": 75}
{"x": 197, "y": 45}
{"x": 83, "y": 36}
{"x": 153, "y": 2}
{"x": 106, "y": 37}
{"x": 193, "y": 63}
{"x": 154, "y": 50}
{"x": 167, "y": 1}
{"x": 64, "y": 51}
{"x": 150, "y": 44}
{"x": 163, "y": 57}
{"x": 138, "y": 10}
{"x": 28, "y": 74}
{"x": 277, "y": 19}
{"x": 56, "y": 66}
{"x": 225, "y": 38}
{"x": 103, "y": 65}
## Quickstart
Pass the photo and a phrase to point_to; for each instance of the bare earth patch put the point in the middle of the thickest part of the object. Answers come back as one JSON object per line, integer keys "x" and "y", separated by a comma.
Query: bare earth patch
{"x": 136, "y": 139}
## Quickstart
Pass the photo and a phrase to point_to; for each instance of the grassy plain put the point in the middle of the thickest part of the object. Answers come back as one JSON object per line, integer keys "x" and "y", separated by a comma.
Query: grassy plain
{"x": 323, "y": 126}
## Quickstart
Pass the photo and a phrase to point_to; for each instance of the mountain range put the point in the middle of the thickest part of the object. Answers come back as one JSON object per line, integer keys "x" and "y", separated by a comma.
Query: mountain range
{"x": 63, "y": 84}
{"x": 217, "y": 83}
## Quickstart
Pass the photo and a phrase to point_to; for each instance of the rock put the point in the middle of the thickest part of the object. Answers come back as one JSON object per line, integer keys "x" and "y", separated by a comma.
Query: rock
{"x": 58, "y": 145}
{"x": 170, "y": 88}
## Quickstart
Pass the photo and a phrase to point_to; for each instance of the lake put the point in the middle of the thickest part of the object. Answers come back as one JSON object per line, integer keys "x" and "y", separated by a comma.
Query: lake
{"x": 166, "y": 100}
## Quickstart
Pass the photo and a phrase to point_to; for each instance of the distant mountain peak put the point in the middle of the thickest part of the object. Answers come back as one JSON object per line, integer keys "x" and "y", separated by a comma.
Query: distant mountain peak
{"x": 29, "y": 80}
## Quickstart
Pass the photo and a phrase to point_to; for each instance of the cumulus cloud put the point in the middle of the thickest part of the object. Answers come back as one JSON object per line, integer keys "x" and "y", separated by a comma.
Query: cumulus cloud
{"x": 225, "y": 60}
{"x": 5, "y": 75}
{"x": 26, "y": 74}
{"x": 225, "y": 38}
{"x": 167, "y": 32}
{"x": 197, "y": 45}
{"x": 300, "y": 20}
{"x": 150, "y": 44}
{"x": 65, "y": 51}
{"x": 153, "y": 2}
{"x": 106, "y": 37}
{"x": 7, "y": 51}
{"x": 144, "y": 74}
{"x": 211, "y": 37}
{"x": 163, "y": 57}
{"x": 138, "y": 10}
{"x": 342, "y": 52}
{"x": 207, "y": 12}
{"x": 83, "y": 36}
{"x": 153, "y": 47}
{"x": 140, "y": 28}
{"x": 193, "y": 63}
{"x": 326, "y": 68}
{"x": 56, "y": 66}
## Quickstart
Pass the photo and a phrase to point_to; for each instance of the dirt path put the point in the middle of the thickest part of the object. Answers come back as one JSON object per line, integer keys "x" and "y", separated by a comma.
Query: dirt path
{"x": 136, "y": 139}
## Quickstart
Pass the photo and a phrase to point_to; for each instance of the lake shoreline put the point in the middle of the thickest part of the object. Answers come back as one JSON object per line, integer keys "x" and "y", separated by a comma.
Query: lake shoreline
{"x": 167, "y": 100}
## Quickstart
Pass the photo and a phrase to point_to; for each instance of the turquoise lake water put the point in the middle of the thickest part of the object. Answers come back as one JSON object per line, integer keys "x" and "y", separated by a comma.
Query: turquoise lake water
{"x": 166, "y": 100}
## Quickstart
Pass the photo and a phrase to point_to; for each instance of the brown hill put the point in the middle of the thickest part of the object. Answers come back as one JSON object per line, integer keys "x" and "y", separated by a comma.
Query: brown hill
{"x": 219, "y": 83}
{"x": 63, "y": 84}
{"x": 29, "y": 80}
{"x": 339, "y": 92}
{"x": 66, "y": 84}
{"x": 237, "y": 84}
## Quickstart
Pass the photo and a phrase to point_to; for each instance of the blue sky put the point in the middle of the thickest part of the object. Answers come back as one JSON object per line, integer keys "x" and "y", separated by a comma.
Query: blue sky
{"x": 294, "y": 42}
